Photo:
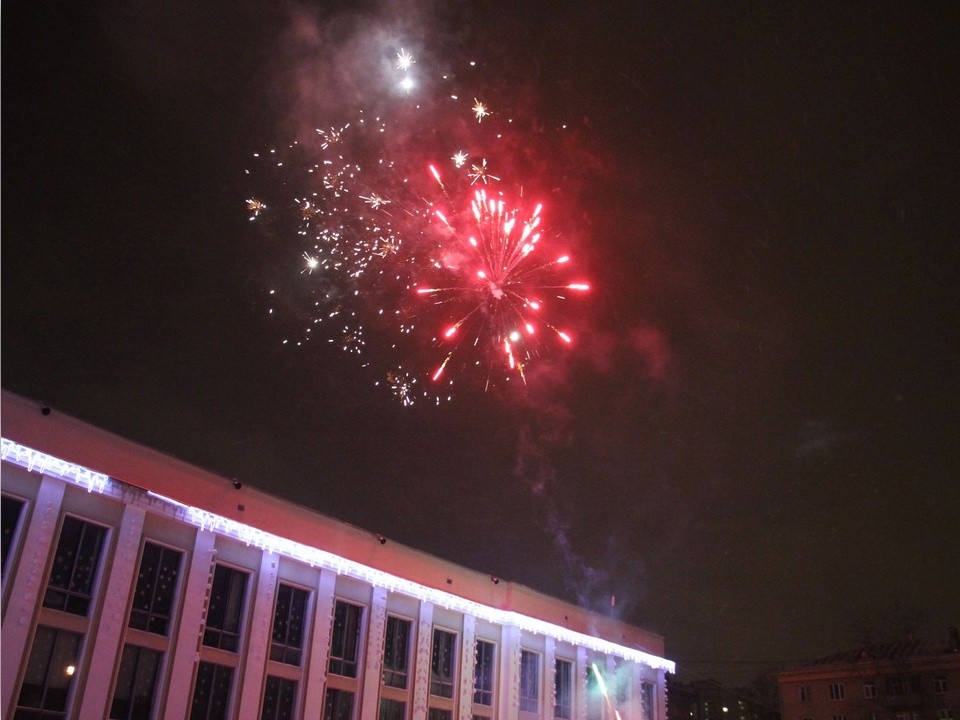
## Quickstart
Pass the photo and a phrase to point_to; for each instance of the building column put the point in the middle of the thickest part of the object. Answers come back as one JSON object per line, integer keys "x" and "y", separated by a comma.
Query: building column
{"x": 580, "y": 685}
{"x": 186, "y": 649}
{"x": 27, "y": 584}
{"x": 373, "y": 662}
{"x": 509, "y": 700}
{"x": 261, "y": 628}
{"x": 421, "y": 678}
{"x": 468, "y": 664}
{"x": 109, "y": 632}
{"x": 316, "y": 671}
{"x": 549, "y": 677}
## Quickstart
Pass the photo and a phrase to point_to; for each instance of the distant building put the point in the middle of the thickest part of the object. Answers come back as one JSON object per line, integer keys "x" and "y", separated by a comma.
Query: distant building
{"x": 709, "y": 700}
{"x": 136, "y": 586}
{"x": 911, "y": 680}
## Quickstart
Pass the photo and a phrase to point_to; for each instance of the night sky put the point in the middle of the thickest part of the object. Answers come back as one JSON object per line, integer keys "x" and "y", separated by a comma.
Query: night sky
{"x": 754, "y": 444}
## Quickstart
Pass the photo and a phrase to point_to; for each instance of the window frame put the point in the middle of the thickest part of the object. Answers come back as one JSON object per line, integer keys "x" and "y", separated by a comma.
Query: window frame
{"x": 92, "y": 599}
{"x": 530, "y": 704}
{"x": 241, "y": 634}
{"x": 570, "y": 685}
{"x": 494, "y": 666}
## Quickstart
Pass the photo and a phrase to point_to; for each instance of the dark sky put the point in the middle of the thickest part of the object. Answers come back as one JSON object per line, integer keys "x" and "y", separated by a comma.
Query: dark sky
{"x": 755, "y": 443}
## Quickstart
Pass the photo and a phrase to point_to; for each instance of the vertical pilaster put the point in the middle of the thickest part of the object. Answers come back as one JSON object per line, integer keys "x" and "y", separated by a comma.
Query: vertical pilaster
{"x": 580, "y": 685}
{"x": 509, "y": 702}
{"x": 421, "y": 680}
{"x": 186, "y": 651}
{"x": 27, "y": 585}
{"x": 261, "y": 627}
{"x": 549, "y": 677}
{"x": 109, "y": 633}
{"x": 316, "y": 670}
{"x": 373, "y": 662}
{"x": 468, "y": 665}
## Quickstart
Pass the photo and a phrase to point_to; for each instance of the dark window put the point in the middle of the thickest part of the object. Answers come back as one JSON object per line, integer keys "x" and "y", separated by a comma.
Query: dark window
{"x": 438, "y": 714}
{"x": 396, "y": 652}
{"x": 225, "y": 612}
{"x": 869, "y": 689}
{"x": 529, "y": 681}
{"x": 9, "y": 521}
{"x": 75, "y": 566}
{"x": 279, "y": 697}
{"x": 836, "y": 691}
{"x": 483, "y": 673}
{"x": 49, "y": 674}
{"x": 392, "y": 710}
{"x": 345, "y": 644}
{"x": 804, "y": 693}
{"x": 940, "y": 684}
{"x": 338, "y": 705}
{"x": 896, "y": 686}
{"x": 288, "y": 623}
{"x": 211, "y": 694}
{"x": 563, "y": 680}
{"x": 136, "y": 683}
{"x": 646, "y": 700}
{"x": 156, "y": 585}
{"x": 442, "y": 663}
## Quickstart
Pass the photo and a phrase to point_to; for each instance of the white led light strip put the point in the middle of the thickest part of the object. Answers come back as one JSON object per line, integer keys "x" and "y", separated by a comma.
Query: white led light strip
{"x": 37, "y": 461}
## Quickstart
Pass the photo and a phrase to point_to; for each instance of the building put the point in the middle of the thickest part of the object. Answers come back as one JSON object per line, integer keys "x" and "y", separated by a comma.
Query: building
{"x": 709, "y": 700}
{"x": 909, "y": 680}
{"x": 137, "y": 586}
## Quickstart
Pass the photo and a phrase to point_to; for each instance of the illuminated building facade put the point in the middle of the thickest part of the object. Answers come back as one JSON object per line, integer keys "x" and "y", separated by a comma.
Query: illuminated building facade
{"x": 137, "y": 586}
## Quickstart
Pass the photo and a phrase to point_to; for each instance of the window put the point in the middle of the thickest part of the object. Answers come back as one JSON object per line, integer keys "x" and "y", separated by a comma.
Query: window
{"x": 869, "y": 689}
{"x": 392, "y": 710}
{"x": 345, "y": 643}
{"x": 136, "y": 683}
{"x": 279, "y": 697}
{"x": 804, "y": 693}
{"x": 896, "y": 686}
{"x": 483, "y": 674}
{"x": 563, "y": 682}
{"x": 836, "y": 691}
{"x": 940, "y": 684}
{"x": 840, "y": 717}
{"x": 74, "y": 570}
{"x": 529, "y": 681}
{"x": 225, "y": 611}
{"x": 156, "y": 586}
{"x": 442, "y": 663}
{"x": 646, "y": 700}
{"x": 211, "y": 693}
{"x": 945, "y": 714}
{"x": 438, "y": 714}
{"x": 50, "y": 670}
{"x": 9, "y": 522}
{"x": 913, "y": 715}
{"x": 338, "y": 705}
{"x": 289, "y": 615}
{"x": 396, "y": 654}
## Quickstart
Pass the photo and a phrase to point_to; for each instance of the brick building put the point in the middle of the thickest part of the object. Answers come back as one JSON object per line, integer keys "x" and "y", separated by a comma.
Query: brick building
{"x": 910, "y": 680}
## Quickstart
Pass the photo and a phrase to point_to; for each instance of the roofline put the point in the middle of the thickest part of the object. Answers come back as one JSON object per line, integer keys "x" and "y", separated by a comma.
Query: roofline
{"x": 59, "y": 445}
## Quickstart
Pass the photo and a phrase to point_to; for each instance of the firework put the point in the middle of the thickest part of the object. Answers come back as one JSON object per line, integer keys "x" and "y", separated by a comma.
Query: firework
{"x": 428, "y": 282}
{"x": 498, "y": 288}
{"x": 480, "y": 110}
